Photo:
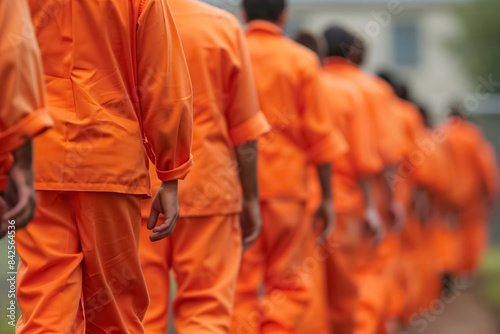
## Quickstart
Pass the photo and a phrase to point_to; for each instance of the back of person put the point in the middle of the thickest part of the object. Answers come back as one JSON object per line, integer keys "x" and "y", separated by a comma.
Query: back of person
{"x": 115, "y": 74}
{"x": 287, "y": 78}
{"x": 100, "y": 87}
{"x": 204, "y": 252}
{"x": 223, "y": 98}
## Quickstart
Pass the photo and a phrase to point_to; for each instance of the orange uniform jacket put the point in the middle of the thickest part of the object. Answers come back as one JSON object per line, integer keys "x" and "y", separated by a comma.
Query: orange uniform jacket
{"x": 103, "y": 83}
{"x": 350, "y": 111}
{"x": 23, "y": 112}
{"x": 414, "y": 131}
{"x": 475, "y": 162}
{"x": 226, "y": 110}
{"x": 291, "y": 98}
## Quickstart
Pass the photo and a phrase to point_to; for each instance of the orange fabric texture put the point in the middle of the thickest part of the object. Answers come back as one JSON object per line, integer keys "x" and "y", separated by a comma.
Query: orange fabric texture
{"x": 417, "y": 282}
{"x": 290, "y": 94}
{"x": 204, "y": 254}
{"x": 113, "y": 69}
{"x": 226, "y": 111}
{"x": 345, "y": 245}
{"x": 278, "y": 260}
{"x": 375, "y": 271}
{"x": 23, "y": 112}
{"x": 350, "y": 112}
{"x": 476, "y": 169}
{"x": 75, "y": 275}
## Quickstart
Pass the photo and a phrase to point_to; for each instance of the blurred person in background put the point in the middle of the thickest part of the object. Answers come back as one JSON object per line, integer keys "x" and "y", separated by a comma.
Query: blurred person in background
{"x": 353, "y": 202}
{"x": 375, "y": 267}
{"x": 116, "y": 79}
{"x": 290, "y": 94}
{"x": 477, "y": 190}
{"x": 417, "y": 282}
{"x": 23, "y": 114}
{"x": 204, "y": 252}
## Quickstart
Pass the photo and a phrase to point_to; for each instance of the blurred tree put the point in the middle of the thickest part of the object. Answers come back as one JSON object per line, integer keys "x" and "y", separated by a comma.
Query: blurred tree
{"x": 480, "y": 47}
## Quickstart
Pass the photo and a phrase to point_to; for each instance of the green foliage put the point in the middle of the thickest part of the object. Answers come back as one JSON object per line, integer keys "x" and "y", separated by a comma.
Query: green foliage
{"x": 480, "y": 46}
{"x": 490, "y": 272}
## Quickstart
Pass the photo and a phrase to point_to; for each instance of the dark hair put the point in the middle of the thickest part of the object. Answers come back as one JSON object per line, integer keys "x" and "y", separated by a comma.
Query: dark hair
{"x": 425, "y": 115}
{"x": 339, "y": 41}
{"x": 268, "y": 10}
{"x": 311, "y": 41}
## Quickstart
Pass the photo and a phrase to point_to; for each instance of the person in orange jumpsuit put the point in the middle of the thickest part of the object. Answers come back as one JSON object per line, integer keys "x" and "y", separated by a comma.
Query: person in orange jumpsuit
{"x": 417, "y": 280}
{"x": 289, "y": 89}
{"x": 116, "y": 79}
{"x": 205, "y": 250}
{"x": 375, "y": 267}
{"x": 477, "y": 190}
{"x": 353, "y": 203}
{"x": 23, "y": 114}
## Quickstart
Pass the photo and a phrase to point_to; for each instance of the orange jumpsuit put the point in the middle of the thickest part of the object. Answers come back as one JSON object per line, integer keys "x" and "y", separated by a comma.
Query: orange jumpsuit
{"x": 204, "y": 252}
{"x": 23, "y": 111}
{"x": 289, "y": 88}
{"x": 361, "y": 161}
{"x": 437, "y": 174}
{"x": 375, "y": 268}
{"x": 116, "y": 78}
{"x": 477, "y": 190}
{"x": 417, "y": 279}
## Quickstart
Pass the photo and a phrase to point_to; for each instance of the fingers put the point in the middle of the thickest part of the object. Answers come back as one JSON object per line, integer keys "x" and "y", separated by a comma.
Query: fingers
{"x": 165, "y": 230}
{"x": 249, "y": 240}
{"x": 23, "y": 211}
{"x": 153, "y": 218}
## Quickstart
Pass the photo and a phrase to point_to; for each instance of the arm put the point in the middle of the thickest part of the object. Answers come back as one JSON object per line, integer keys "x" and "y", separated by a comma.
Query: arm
{"x": 325, "y": 210}
{"x": 373, "y": 222}
{"x": 23, "y": 112}
{"x": 20, "y": 196}
{"x": 251, "y": 223}
{"x": 165, "y": 98}
{"x": 245, "y": 124}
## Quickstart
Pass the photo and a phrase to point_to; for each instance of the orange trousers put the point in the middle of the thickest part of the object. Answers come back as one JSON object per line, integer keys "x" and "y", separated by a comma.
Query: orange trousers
{"x": 342, "y": 286}
{"x": 446, "y": 246}
{"x": 316, "y": 314}
{"x": 79, "y": 269}
{"x": 375, "y": 274}
{"x": 417, "y": 271}
{"x": 277, "y": 261}
{"x": 473, "y": 234}
{"x": 204, "y": 254}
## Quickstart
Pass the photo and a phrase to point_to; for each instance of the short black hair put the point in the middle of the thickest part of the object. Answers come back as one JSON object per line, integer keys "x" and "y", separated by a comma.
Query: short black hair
{"x": 340, "y": 41}
{"x": 311, "y": 41}
{"x": 425, "y": 115}
{"x": 268, "y": 10}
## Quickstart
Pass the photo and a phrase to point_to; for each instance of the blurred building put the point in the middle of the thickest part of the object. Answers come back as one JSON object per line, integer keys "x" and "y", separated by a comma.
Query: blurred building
{"x": 413, "y": 38}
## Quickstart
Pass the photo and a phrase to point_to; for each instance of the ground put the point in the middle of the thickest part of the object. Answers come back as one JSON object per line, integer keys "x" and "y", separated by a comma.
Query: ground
{"x": 468, "y": 314}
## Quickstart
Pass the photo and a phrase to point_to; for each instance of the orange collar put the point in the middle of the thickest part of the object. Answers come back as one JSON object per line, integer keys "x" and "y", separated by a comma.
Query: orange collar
{"x": 338, "y": 62}
{"x": 266, "y": 26}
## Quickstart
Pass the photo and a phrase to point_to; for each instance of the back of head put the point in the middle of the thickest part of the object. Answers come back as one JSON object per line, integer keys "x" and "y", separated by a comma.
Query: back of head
{"x": 425, "y": 115}
{"x": 312, "y": 42}
{"x": 267, "y": 10}
{"x": 456, "y": 110}
{"x": 339, "y": 42}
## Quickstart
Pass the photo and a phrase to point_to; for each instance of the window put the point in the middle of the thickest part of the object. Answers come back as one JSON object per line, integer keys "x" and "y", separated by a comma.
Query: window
{"x": 406, "y": 44}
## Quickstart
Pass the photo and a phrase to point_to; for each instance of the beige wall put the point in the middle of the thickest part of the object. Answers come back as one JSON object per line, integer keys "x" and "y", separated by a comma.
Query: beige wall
{"x": 436, "y": 80}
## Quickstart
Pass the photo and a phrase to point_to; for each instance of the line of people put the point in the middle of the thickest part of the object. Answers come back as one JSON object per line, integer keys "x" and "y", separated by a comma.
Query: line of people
{"x": 319, "y": 200}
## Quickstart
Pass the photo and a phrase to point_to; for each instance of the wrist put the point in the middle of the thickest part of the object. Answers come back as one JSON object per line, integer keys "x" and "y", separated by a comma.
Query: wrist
{"x": 171, "y": 185}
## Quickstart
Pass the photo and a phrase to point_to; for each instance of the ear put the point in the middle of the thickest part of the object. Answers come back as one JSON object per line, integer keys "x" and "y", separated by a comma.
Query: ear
{"x": 283, "y": 19}
{"x": 244, "y": 16}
